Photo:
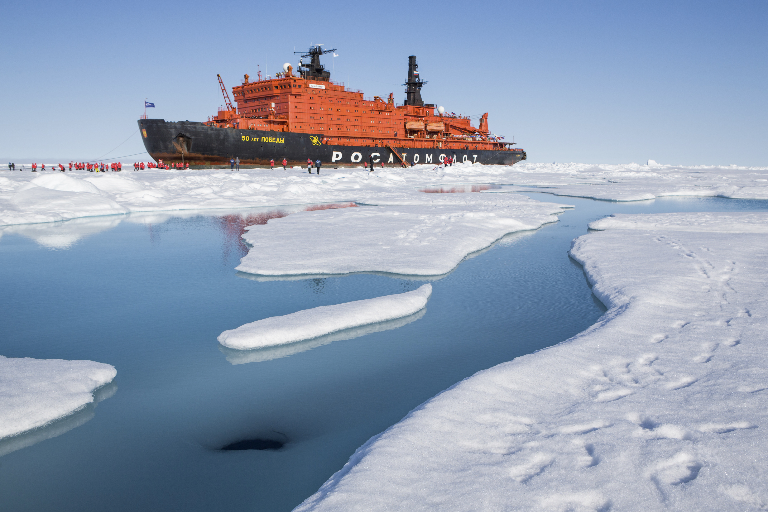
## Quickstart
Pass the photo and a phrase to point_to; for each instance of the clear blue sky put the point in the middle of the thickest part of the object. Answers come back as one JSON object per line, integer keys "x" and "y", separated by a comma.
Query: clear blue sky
{"x": 681, "y": 82}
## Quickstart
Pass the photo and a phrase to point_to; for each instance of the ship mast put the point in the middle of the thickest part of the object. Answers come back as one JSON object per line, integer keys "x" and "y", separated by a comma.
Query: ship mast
{"x": 414, "y": 84}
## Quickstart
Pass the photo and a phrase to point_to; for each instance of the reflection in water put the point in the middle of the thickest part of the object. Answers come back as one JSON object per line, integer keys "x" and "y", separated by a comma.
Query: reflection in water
{"x": 57, "y": 427}
{"x": 329, "y": 206}
{"x": 63, "y": 235}
{"x": 304, "y": 277}
{"x": 316, "y": 285}
{"x": 233, "y": 226}
{"x": 267, "y": 354}
{"x": 458, "y": 189}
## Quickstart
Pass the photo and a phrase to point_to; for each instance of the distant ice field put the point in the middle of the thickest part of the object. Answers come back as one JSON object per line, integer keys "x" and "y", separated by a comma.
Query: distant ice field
{"x": 46, "y": 196}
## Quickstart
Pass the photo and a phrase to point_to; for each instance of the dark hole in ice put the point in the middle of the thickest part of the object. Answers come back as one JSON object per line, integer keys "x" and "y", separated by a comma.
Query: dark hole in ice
{"x": 254, "y": 444}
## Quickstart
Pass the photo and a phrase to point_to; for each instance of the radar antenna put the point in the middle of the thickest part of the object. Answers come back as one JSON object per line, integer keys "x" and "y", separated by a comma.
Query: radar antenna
{"x": 314, "y": 70}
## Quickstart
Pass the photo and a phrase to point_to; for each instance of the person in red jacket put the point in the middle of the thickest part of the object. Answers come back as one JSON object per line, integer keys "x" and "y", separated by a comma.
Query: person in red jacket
{"x": 34, "y": 167}
{"x": 141, "y": 166}
{"x": 271, "y": 163}
{"x": 70, "y": 166}
{"x": 285, "y": 163}
{"x": 119, "y": 166}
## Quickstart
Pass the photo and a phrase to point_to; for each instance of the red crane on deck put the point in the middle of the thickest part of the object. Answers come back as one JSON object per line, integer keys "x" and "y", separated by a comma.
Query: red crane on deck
{"x": 226, "y": 95}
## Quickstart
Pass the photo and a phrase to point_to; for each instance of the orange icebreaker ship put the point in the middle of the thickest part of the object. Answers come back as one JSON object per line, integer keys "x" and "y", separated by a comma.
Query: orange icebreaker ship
{"x": 308, "y": 117}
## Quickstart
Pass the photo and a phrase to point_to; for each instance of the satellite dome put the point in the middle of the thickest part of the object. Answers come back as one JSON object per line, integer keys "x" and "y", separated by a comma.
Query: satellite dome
{"x": 440, "y": 109}
{"x": 285, "y": 66}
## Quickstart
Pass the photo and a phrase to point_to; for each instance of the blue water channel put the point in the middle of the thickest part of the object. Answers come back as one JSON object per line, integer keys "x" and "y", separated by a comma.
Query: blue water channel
{"x": 150, "y": 294}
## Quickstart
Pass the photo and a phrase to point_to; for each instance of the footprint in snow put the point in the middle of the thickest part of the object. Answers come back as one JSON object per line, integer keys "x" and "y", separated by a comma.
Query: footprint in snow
{"x": 682, "y": 382}
{"x": 533, "y": 467}
{"x": 587, "y": 501}
{"x": 612, "y": 394}
{"x": 707, "y": 355}
{"x": 650, "y": 429}
{"x": 723, "y": 428}
{"x": 679, "y": 469}
{"x": 584, "y": 428}
{"x": 587, "y": 459}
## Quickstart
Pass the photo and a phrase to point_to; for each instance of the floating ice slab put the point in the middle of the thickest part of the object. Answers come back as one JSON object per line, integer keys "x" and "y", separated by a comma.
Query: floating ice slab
{"x": 419, "y": 240}
{"x": 235, "y": 356}
{"x": 35, "y": 392}
{"x": 661, "y": 405}
{"x": 319, "y": 321}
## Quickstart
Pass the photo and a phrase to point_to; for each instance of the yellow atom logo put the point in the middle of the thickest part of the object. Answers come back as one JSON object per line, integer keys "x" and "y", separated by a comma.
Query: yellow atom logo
{"x": 315, "y": 140}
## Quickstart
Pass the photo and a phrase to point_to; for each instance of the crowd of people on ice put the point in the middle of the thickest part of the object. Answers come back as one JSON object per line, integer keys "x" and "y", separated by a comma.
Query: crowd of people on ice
{"x": 100, "y": 166}
{"x": 140, "y": 166}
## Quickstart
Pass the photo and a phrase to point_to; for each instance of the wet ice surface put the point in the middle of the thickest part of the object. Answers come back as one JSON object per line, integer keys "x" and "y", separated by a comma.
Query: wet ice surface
{"x": 150, "y": 295}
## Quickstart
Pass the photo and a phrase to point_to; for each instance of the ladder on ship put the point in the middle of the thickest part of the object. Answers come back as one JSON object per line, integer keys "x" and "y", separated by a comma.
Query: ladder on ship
{"x": 402, "y": 161}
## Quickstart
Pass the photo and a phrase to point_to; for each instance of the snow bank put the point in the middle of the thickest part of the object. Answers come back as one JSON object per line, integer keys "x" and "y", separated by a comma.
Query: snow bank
{"x": 662, "y": 405}
{"x": 430, "y": 239}
{"x": 319, "y": 321}
{"x": 62, "y": 183}
{"x": 35, "y": 392}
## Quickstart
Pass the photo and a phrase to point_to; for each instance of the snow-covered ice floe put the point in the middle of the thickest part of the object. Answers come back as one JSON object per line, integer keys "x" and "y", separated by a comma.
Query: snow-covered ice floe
{"x": 235, "y": 356}
{"x": 420, "y": 240}
{"x": 36, "y": 392}
{"x": 323, "y": 320}
{"x": 661, "y": 405}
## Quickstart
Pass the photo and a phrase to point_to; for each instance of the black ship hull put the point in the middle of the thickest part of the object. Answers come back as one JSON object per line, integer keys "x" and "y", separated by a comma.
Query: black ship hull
{"x": 199, "y": 144}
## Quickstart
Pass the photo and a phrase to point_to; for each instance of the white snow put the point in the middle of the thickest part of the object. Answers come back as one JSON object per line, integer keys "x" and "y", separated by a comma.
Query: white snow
{"x": 46, "y": 196}
{"x": 662, "y": 405}
{"x": 35, "y": 392}
{"x": 322, "y": 320}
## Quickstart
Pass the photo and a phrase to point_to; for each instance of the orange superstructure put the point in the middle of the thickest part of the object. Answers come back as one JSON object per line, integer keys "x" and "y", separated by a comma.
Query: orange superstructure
{"x": 311, "y": 103}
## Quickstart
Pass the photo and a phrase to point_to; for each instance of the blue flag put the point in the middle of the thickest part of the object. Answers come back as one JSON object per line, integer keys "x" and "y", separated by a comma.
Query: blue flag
{"x": 149, "y": 105}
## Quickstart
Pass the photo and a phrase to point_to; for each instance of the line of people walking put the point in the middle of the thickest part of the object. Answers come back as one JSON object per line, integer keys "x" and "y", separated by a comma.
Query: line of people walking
{"x": 97, "y": 166}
